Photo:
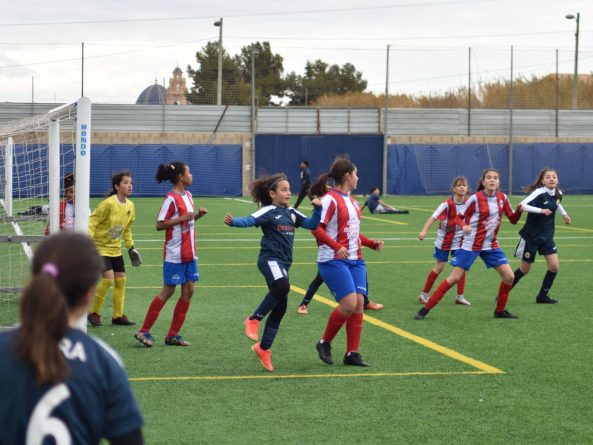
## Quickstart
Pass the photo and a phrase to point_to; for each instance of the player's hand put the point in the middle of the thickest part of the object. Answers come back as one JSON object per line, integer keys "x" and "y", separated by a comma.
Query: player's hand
{"x": 201, "y": 212}
{"x": 228, "y": 219}
{"x": 422, "y": 235}
{"x": 135, "y": 257}
{"x": 546, "y": 212}
{"x": 342, "y": 253}
{"x": 378, "y": 245}
{"x": 467, "y": 229}
{"x": 567, "y": 219}
{"x": 316, "y": 202}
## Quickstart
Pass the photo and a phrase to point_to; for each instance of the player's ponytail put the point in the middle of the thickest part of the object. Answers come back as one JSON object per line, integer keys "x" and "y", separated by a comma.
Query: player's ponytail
{"x": 320, "y": 187}
{"x": 65, "y": 269}
{"x": 170, "y": 172}
{"x": 44, "y": 321}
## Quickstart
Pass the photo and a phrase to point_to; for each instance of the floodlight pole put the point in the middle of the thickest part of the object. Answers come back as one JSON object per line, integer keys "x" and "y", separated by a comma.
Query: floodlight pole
{"x": 385, "y": 127}
{"x": 576, "y": 59}
{"x": 219, "y": 89}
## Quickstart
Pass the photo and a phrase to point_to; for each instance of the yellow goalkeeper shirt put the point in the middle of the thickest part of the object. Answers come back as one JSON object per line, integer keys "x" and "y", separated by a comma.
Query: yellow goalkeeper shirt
{"x": 110, "y": 222}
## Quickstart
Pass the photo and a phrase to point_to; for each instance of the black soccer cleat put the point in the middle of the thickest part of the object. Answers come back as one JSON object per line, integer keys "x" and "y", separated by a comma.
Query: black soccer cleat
{"x": 421, "y": 314}
{"x": 122, "y": 321}
{"x": 545, "y": 300}
{"x": 354, "y": 359}
{"x": 325, "y": 352}
{"x": 504, "y": 314}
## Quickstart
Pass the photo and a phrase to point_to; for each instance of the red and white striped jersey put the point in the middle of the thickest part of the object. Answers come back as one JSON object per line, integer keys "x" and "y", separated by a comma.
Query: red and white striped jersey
{"x": 449, "y": 234}
{"x": 340, "y": 218}
{"x": 180, "y": 239}
{"x": 484, "y": 213}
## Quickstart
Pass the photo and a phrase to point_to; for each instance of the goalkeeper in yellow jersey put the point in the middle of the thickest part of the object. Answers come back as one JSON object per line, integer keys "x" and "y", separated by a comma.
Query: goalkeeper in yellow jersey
{"x": 110, "y": 222}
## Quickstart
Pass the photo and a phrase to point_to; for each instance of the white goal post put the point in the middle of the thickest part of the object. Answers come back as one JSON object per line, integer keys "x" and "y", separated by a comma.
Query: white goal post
{"x": 35, "y": 155}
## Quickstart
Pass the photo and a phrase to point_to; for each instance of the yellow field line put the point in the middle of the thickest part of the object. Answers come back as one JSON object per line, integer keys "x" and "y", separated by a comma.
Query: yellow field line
{"x": 488, "y": 369}
{"x": 573, "y": 229}
{"x": 301, "y": 376}
{"x": 430, "y": 245}
{"x": 309, "y": 263}
{"x": 246, "y": 286}
{"x": 374, "y": 218}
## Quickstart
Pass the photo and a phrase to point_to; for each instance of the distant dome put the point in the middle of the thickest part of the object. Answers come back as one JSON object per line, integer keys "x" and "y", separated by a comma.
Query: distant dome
{"x": 153, "y": 95}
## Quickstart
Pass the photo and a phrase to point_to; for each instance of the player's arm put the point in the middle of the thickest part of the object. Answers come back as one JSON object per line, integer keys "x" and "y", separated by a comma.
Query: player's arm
{"x": 202, "y": 211}
{"x": 564, "y": 214}
{"x": 97, "y": 215}
{"x": 462, "y": 219}
{"x": 165, "y": 224}
{"x": 513, "y": 216}
{"x": 387, "y": 206}
{"x": 371, "y": 244}
{"x": 429, "y": 222}
{"x": 244, "y": 221}
{"x": 312, "y": 222}
{"x": 127, "y": 235}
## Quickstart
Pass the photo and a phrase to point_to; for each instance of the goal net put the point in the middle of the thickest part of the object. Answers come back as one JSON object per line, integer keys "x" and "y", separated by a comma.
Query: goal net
{"x": 39, "y": 157}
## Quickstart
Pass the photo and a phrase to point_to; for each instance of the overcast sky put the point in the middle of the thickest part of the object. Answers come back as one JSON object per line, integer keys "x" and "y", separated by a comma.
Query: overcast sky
{"x": 130, "y": 43}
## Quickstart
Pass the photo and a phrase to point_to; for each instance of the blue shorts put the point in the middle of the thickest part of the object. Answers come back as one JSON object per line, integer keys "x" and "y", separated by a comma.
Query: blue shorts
{"x": 443, "y": 255}
{"x": 179, "y": 273}
{"x": 344, "y": 277}
{"x": 492, "y": 258}
{"x": 272, "y": 269}
{"x": 526, "y": 250}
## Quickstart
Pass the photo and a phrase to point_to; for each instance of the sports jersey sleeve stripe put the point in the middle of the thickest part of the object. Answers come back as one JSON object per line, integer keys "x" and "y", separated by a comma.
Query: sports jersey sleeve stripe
{"x": 167, "y": 209}
{"x": 533, "y": 195}
{"x": 440, "y": 212}
{"x": 561, "y": 210}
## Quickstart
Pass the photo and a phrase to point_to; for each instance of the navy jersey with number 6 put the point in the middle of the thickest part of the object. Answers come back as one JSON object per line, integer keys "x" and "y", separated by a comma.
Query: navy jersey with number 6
{"x": 94, "y": 402}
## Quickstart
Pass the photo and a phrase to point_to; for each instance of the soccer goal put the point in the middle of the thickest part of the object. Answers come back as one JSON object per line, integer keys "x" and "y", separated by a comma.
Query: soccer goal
{"x": 36, "y": 154}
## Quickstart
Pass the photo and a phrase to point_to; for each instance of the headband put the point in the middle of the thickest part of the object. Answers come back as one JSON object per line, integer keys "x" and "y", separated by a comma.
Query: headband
{"x": 276, "y": 181}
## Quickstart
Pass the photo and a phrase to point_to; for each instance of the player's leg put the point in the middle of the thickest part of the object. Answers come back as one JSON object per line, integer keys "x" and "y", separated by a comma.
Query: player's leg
{"x": 119, "y": 293}
{"x": 492, "y": 258}
{"x": 441, "y": 257}
{"x": 279, "y": 290}
{"x": 94, "y": 316}
{"x": 190, "y": 275}
{"x": 548, "y": 281}
{"x": 311, "y": 290}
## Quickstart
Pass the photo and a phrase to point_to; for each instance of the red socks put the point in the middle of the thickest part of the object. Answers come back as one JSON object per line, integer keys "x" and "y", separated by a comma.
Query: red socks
{"x": 438, "y": 294}
{"x": 503, "y": 296}
{"x": 179, "y": 313}
{"x": 461, "y": 285}
{"x": 152, "y": 314}
{"x": 353, "y": 332}
{"x": 430, "y": 279}
{"x": 335, "y": 322}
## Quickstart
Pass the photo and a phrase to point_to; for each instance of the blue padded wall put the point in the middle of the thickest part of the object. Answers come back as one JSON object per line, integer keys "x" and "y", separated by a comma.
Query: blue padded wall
{"x": 216, "y": 169}
{"x": 419, "y": 169}
{"x": 283, "y": 153}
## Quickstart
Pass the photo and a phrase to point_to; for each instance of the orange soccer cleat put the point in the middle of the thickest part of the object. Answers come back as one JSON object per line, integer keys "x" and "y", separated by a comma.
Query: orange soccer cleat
{"x": 264, "y": 355}
{"x": 252, "y": 329}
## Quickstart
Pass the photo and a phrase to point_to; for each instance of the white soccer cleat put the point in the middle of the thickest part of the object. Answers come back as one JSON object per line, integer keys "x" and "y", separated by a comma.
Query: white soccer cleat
{"x": 460, "y": 299}
{"x": 423, "y": 298}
